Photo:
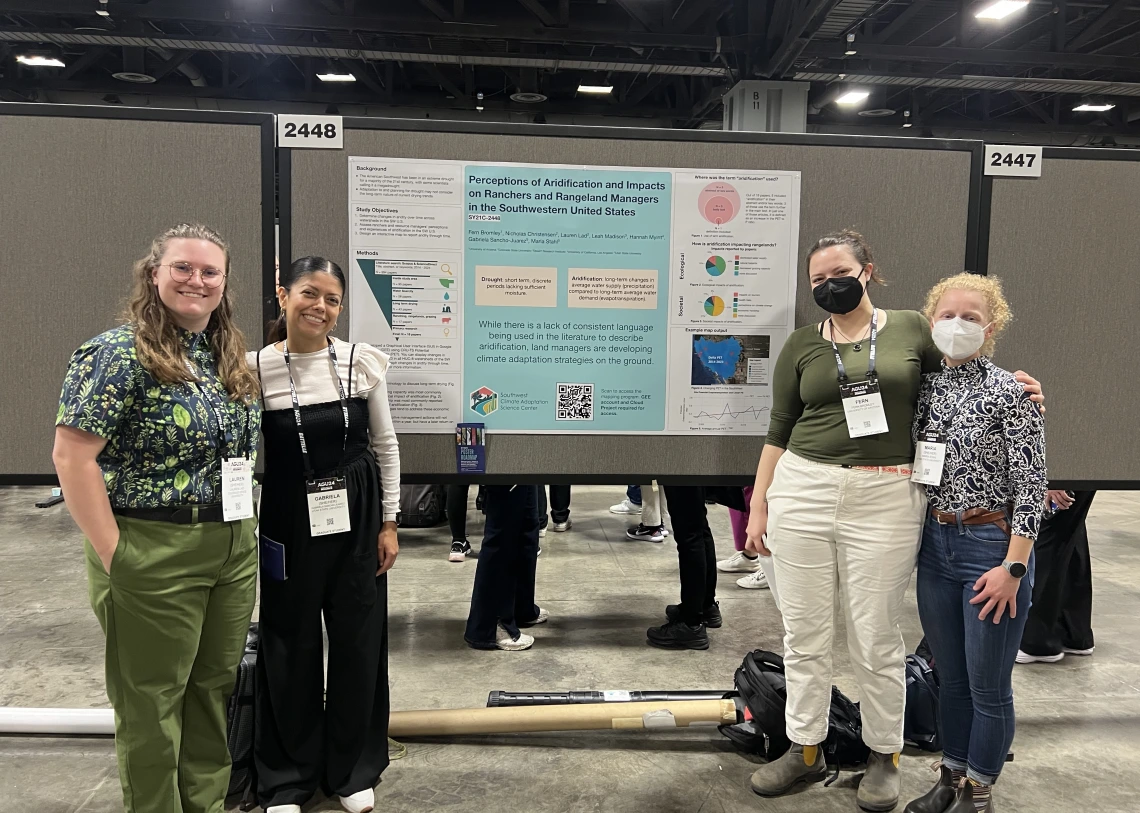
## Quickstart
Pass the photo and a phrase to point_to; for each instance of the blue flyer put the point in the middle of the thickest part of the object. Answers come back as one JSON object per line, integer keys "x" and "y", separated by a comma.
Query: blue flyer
{"x": 470, "y": 448}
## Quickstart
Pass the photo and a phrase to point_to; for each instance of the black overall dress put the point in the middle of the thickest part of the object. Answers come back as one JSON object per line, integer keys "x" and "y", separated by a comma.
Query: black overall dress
{"x": 310, "y": 735}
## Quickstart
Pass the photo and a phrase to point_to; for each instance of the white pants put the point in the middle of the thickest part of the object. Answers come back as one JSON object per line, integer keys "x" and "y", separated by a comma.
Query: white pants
{"x": 860, "y": 531}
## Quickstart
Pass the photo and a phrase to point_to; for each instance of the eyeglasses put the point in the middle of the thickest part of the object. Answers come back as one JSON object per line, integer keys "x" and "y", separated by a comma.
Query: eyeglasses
{"x": 184, "y": 272}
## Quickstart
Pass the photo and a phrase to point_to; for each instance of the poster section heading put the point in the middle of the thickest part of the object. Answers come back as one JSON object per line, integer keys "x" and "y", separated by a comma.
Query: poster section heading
{"x": 547, "y": 298}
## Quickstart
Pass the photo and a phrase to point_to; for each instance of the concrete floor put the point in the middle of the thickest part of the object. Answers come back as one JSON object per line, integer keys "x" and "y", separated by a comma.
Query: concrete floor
{"x": 1078, "y": 743}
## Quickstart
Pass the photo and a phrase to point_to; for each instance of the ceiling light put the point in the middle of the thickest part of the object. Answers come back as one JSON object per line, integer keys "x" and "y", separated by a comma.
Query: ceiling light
{"x": 1093, "y": 108}
{"x": 479, "y": 96}
{"x": 1001, "y": 9}
{"x": 101, "y": 9}
{"x": 39, "y": 61}
{"x": 850, "y": 46}
{"x": 134, "y": 77}
{"x": 853, "y": 97}
{"x": 336, "y": 77}
{"x": 527, "y": 97}
{"x": 478, "y": 107}
{"x": 595, "y": 88}
{"x": 906, "y": 119}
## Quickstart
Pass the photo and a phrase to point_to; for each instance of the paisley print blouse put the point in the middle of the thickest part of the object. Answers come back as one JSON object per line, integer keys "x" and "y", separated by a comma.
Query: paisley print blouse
{"x": 995, "y": 442}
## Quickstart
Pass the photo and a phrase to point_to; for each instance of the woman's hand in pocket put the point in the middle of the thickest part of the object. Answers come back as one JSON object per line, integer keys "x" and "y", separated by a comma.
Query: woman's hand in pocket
{"x": 106, "y": 553}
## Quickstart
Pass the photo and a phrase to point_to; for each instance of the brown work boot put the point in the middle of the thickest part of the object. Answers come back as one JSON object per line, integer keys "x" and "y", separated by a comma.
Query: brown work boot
{"x": 778, "y": 777}
{"x": 879, "y": 788}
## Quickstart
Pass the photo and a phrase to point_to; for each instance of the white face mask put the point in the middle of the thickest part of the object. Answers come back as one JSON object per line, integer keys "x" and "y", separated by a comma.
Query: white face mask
{"x": 957, "y": 338}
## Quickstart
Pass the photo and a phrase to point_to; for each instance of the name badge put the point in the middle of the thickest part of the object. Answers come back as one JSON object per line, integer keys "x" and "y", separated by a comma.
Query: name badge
{"x": 328, "y": 506}
{"x": 863, "y": 406}
{"x": 237, "y": 489}
{"x": 929, "y": 459}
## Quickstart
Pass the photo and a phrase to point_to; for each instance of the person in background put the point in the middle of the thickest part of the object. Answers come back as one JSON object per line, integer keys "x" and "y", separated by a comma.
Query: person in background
{"x": 651, "y": 528}
{"x": 1060, "y": 619}
{"x": 328, "y": 538}
{"x": 835, "y": 507}
{"x": 744, "y": 561}
{"x": 457, "y": 520}
{"x": 631, "y": 505}
{"x": 502, "y": 600}
{"x": 981, "y": 454}
{"x": 559, "y": 506}
{"x": 154, "y": 444}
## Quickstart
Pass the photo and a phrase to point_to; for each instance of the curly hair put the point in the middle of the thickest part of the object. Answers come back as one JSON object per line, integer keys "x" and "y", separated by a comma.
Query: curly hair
{"x": 156, "y": 334}
{"x": 990, "y": 289}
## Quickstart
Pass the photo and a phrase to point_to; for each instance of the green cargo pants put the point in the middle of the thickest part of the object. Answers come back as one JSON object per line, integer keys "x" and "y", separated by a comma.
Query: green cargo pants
{"x": 175, "y": 610}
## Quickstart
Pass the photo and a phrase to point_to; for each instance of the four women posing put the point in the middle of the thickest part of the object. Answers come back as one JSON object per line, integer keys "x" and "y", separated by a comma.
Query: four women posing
{"x": 157, "y": 431}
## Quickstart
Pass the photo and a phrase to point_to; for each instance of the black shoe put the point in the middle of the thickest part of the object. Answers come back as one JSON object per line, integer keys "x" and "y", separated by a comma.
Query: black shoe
{"x": 678, "y": 635}
{"x": 964, "y": 801}
{"x": 711, "y": 617}
{"x": 938, "y": 798}
{"x": 460, "y": 550}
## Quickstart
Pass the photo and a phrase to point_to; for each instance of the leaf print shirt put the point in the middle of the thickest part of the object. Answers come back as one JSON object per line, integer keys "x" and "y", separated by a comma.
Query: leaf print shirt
{"x": 164, "y": 445}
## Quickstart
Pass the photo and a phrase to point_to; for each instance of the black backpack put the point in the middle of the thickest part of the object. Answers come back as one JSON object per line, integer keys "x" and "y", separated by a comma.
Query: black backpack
{"x": 922, "y": 725}
{"x": 763, "y": 691}
{"x": 422, "y": 506}
{"x": 239, "y": 723}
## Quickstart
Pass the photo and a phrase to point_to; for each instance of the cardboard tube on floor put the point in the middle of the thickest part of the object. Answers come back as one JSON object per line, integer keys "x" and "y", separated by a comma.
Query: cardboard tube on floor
{"x": 590, "y": 717}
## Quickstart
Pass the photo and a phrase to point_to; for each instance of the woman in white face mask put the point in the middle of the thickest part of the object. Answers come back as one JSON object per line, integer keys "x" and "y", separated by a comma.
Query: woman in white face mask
{"x": 980, "y": 450}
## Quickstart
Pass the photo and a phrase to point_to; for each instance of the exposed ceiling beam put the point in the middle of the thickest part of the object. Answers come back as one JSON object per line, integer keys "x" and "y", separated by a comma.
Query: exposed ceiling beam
{"x": 803, "y": 28}
{"x": 901, "y": 21}
{"x": 84, "y": 62}
{"x": 165, "y": 11}
{"x": 1094, "y": 29}
{"x": 690, "y": 12}
{"x": 174, "y": 63}
{"x": 437, "y": 9}
{"x": 538, "y": 10}
{"x": 640, "y": 15}
{"x": 364, "y": 74}
{"x": 976, "y": 56}
{"x": 651, "y": 84}
{"x": 1033, "y": 107}
{"x": 261, "y": 67}
{"x": 448, "y": 85}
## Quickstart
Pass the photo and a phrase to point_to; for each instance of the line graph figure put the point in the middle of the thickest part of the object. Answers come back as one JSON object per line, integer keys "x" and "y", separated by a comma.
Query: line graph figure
{"x": 728, "y": 410}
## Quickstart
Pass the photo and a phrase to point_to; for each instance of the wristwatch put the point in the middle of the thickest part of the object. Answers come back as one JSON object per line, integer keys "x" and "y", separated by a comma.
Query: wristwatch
{"x": 1015, "y": 569}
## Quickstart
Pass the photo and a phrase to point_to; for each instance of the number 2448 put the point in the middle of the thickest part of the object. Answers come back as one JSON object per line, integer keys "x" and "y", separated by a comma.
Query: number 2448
{"x": 304, "y": 131}
{"x": 997, "y": 159}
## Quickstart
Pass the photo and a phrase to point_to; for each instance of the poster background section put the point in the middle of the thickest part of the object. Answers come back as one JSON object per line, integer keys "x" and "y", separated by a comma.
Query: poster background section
{"x": 567, "y": 274}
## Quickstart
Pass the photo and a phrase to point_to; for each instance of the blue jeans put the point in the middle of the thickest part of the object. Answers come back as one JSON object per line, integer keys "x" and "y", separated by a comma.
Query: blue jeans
{"x": 974, "y": 658}
{"x": 633, "y": 494}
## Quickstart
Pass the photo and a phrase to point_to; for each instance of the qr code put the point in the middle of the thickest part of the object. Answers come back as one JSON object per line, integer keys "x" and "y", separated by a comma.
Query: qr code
{"x": 575, "y": 402}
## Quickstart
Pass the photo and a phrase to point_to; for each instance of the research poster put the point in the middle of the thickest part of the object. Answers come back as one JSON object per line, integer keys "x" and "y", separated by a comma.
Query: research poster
{"x": 548, "y": 298}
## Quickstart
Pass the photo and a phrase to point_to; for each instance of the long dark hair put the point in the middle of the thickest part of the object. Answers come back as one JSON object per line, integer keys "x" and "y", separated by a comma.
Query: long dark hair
{"x": 276, "y": 330}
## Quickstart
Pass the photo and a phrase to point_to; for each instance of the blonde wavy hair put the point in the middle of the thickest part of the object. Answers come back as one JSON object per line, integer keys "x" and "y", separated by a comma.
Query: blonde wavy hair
{"x": 156, "y": 334}
{"x": 990, "y": 289}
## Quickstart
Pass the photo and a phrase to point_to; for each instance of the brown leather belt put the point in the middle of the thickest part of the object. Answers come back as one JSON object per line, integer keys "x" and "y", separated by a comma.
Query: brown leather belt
{"x": 973, "y": 516}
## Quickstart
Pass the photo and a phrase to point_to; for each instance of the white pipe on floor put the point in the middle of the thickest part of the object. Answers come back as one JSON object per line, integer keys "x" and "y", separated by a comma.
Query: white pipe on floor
{"x": 67, "y": 722}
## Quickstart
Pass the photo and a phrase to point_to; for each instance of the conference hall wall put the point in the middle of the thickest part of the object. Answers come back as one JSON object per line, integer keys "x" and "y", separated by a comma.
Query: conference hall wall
{"x": 86, "y": 189}
{"x": 915, "y": 199}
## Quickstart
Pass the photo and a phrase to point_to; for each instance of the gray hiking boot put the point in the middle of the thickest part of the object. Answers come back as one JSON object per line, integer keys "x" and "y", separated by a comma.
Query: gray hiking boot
{"x": 777, "y": 778}
{"x": 879, "y": 788}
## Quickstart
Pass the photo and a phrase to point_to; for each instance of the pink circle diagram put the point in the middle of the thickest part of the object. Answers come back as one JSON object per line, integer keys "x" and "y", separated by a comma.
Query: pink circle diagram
{"x": 719, "y": 203}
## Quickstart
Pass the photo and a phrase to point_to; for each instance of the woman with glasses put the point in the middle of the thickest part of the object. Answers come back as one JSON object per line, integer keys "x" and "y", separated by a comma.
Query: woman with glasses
{"x": 155, "y": 438}
{"x": 328, "y": 537}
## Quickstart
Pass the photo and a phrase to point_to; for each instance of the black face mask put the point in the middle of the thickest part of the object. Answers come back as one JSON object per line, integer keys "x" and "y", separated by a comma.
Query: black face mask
{"x": 839, "y": 294}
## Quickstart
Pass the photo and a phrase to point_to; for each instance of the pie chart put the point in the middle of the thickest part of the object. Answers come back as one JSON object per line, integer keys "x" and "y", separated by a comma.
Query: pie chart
{"x": 714, "y": 306}
{"x": 715, "y": 266}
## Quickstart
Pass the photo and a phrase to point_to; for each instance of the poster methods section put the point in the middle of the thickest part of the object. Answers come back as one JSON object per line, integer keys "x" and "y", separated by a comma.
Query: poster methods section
{"x": 542, "y": 298}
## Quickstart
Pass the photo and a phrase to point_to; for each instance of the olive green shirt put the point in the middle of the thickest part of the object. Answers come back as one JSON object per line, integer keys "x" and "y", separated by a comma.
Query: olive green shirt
{"x": 807, "y": 412}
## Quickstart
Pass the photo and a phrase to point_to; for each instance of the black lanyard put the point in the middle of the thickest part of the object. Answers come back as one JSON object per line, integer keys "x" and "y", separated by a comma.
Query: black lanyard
{"x": 219, "y": 409}
{"x": 839, "y": 359}
{"x": 297, "y": 404}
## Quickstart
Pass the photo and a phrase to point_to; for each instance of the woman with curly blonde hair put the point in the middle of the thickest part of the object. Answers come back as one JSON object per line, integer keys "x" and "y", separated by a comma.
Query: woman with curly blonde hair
{"x": 981, "y": 448}
{"x": 155, "y": 437}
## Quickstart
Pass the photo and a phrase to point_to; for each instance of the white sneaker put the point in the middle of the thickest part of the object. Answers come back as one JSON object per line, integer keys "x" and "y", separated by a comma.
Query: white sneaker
{"x": 283, "y": 809}
{"x": 1081, "y": 652}
{"x": 504, "y": 641}
{"x": 754, "y": 581}
{"x": 562, "y": 527}
{"x": 541, "y": 533}
{"x": 1025, "y": 657}
{"x": 625, "y": 507}
{"x": 543, "y": 617}
{"x": 739, "y": 563}
{"x": 360, "y": 802}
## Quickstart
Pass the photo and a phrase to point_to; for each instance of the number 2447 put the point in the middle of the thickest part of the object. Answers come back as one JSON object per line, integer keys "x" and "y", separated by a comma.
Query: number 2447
{"x": 997, "y": 159}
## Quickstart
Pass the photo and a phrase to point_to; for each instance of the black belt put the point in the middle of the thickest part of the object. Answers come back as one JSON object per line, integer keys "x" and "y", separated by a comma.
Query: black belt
{"x": 178, "y": 514}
